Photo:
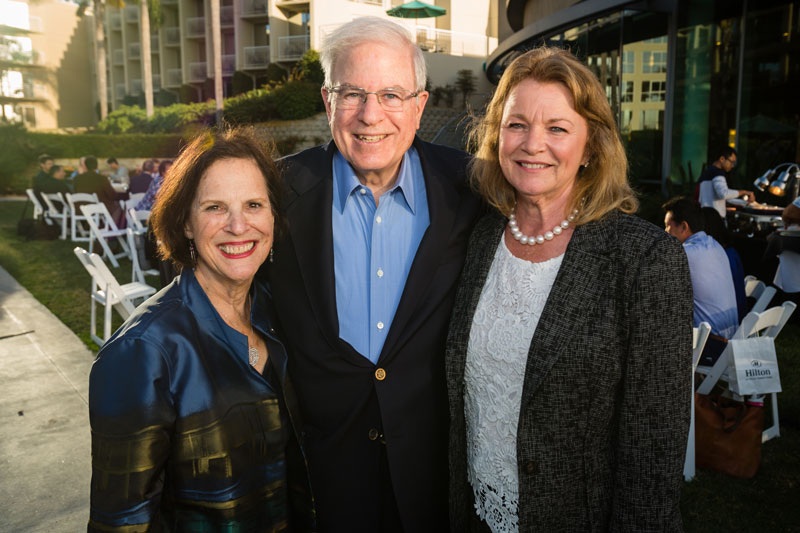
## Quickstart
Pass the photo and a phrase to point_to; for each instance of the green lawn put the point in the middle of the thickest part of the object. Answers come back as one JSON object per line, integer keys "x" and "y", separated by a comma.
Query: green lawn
{"x": 711, "y": 502}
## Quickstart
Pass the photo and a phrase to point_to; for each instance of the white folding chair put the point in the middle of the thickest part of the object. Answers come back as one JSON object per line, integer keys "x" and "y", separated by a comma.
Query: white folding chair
{"x": 109, "y": 293}
{"x": 699, "y": 337}
{"x": 132, "y": 201}
{"x": 102, "y": 227}
{"x": 766, "y": 324}
{"x": 137, "y": 274}
{"x": 57, "y": 209}
{"x": 79, "y": 232}
{"x": 137, "y": 220}
{"x": 758, "y": 290}
{"x": 38, "y": 208}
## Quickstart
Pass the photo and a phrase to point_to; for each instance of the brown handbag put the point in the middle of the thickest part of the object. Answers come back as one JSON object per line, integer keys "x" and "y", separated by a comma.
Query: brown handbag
{"x": 728, "y": 435}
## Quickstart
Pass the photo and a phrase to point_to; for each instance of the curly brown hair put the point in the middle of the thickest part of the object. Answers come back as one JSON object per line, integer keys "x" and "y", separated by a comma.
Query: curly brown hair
{"x": 603, "y": 185}
{"x": 174, "y": 199}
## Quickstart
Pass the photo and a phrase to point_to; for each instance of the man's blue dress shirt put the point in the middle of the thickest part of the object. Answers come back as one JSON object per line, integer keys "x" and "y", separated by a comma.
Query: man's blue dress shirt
{"x": 373, "y": 248}
{"x": 712, "y": 282}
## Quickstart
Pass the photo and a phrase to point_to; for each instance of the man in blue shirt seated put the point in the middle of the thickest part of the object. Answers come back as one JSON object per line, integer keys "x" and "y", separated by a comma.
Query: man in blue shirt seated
{"x": 712, "y": 282}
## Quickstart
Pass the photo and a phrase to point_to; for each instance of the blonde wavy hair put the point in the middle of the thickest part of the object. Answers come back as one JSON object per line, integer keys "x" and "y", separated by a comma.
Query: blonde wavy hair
{"x": 602, "y": 186}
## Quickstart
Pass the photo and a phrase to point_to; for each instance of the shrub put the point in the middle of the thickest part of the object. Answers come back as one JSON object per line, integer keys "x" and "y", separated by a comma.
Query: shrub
{"x": 240, "y": 83}
{"x": 253, "y": 106}
{"x": 275, "y": 74}
{"x": 287, "y": 145}
{"x": 309, "y": 68}
{"x": 126, "y": 118}
{"x": 298, "y": 99}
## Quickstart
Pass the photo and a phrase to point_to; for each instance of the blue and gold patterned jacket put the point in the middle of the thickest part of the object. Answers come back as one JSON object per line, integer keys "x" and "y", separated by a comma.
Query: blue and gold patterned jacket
{"x": 186, "y": 435}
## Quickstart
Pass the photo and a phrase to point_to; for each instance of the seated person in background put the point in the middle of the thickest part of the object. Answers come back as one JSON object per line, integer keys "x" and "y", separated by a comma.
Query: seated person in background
{"x": 80, "y": 170}
{"x": 51, "y": 182}
{"x": 140, "y": 182}
{"x": 146, "y": 203}
{"x": 787, "y": 277}
{"x": 712, "y": 282}
{"x": 713, "y": 185}
{"x": 118, "y": 174}
{"x": 715, "y": 228}
{"x": 91, "y": 182}
{"x": 45, "y": 164}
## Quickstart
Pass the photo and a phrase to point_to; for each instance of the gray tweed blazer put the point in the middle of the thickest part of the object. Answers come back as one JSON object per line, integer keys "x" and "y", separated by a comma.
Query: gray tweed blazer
{"x": 605, "y": 404}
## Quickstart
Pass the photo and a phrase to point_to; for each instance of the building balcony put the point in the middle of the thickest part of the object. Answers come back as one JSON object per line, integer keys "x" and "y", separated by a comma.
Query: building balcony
{"x": 254, "y": 8}
{"x": 136, "y": 87}
{"x": 256, "y": 57}
{"x": 172, "y": 36}
{"x": 292, "y": 48}
{"x": 294, "y": 6}
{"x": 134, "y": 51}
{"x": 132, "y": 14}
{"x": 154, "y": 44}
{"x": 228, "y": 64}
{"x": 115, "y": 21}
{"x": 452, "y": 43}
{"x": 196, "y": 27}
{"x": 119, "y": 91}
{"x": 370, "y": 2}
{"x": 226, "y": 16}
{"x": 13, "y": 57}
{"x": 198, "y": 72}
{"x": 156, "y": 82}
{"x": 119, "y": 56}
{"x": 174, "y": 77}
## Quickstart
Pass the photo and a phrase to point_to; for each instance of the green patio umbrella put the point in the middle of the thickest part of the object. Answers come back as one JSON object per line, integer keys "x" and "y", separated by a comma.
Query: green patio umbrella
{"x": 416, "y": 10}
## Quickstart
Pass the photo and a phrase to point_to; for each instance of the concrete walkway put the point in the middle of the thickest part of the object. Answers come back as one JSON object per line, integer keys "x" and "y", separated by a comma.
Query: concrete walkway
{"x": 45, "y": 464}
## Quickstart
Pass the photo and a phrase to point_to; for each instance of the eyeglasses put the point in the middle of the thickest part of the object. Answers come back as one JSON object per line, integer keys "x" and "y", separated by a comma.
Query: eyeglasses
{"x": 354, "y": 97}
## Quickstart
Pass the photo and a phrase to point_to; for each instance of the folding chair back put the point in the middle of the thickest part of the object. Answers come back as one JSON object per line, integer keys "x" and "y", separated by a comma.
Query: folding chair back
{"x": 759, "y": 291}
{"x": 38, "y": 208}
{"x": 102, "y": 227}
{"x": 78, "y": 232}
{"x": 137, "y": 274}
{"x": 132, "y": 201}
{"x": 137, "y": 220}
{"x": 699, "y": 337}
{"x": 57, "y": 209}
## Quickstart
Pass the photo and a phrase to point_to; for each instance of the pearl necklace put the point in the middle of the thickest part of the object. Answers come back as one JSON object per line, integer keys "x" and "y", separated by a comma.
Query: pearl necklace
{"x": 538, "y": 239}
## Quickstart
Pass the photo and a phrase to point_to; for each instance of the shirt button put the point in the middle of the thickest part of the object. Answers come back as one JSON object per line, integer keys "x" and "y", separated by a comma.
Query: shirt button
{"x": 363, "y": 190}
{"x": 373, "y": 434}
{"x": 378, "y": 220}
{"x": 380, "y": 374}
{"x": 380, "y": 273}
{"x": 380, "y": 325}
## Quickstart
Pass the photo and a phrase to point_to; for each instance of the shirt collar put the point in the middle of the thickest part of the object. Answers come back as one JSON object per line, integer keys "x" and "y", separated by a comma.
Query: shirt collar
{"x": 696, "y": 237}
{"x": 345, "y": 181}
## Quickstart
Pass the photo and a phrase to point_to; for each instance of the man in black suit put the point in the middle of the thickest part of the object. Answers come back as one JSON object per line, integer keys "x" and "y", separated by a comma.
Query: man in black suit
{"x": 364, "y": 283}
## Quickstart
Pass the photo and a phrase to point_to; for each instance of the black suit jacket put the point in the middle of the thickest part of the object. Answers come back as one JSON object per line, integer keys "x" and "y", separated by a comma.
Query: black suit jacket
{"x": 341, "y": 396}
{"x": 604, "y": 413}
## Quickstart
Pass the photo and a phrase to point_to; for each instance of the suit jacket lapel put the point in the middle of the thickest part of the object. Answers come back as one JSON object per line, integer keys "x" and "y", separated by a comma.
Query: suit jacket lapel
{"x": 576, "y": 291}
{"x": 309, "y": 213}
{"x": 443, "y": 200}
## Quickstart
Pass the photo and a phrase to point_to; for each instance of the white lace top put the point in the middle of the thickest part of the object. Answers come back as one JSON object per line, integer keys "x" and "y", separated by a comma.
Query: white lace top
{"x": 510, "y": 305}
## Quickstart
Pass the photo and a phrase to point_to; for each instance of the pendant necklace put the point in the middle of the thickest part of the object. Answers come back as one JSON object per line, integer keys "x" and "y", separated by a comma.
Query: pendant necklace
{"x": 252, "y": 353}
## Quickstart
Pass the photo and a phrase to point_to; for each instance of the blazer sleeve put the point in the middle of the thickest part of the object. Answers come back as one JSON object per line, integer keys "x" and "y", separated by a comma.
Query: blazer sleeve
{"x": 131, "y": 413}
{"x": 655, "y": 393}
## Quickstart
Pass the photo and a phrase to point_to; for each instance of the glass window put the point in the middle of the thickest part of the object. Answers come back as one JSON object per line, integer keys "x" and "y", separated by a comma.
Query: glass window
{"x": 654, "y": 61}
{"x": 628, "y": 62}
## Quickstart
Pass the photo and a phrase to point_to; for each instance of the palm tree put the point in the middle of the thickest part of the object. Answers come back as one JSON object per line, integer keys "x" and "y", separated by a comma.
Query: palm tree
{"x": 147, "y": 72}
{"x": 100, "y": 55}
{"x": 216, "y": 51}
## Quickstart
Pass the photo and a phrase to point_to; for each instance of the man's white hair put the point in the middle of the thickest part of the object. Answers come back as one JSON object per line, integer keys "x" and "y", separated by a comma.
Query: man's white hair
{"x": 370, "y": 30}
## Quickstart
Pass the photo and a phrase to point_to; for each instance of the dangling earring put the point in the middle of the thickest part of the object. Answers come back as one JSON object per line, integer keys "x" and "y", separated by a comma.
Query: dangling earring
{"x": 586, "y": 165}
{"x": 192, "y": 253}
{"x": 272, "y": 255}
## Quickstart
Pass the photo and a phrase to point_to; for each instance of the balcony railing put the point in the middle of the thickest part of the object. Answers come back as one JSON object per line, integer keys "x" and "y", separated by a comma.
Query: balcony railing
{"x": 172, "y": 36}
{"x": 132, "y": 14}
{"x": 292, "y": 47}
{"x": 228, "y": 64}
{"x": 23, "y": 57}
{"x": 119, "y": 91}
{"x": 254, "y": 7}
{"x": 198, "y": 71}
{"x": 226, "y": 16}
{"x": 256, "y": 56}
{"x": 196, "y": 27}
{"x": 153, "y": 44}
{"x": 116, "y": 21}
{"x": 119, "y": 56}
{"x": 452, "y": 43}
{"x": 174, "y": 77}
{"x": 136, "y": 87}
{"x": 134, "y": 51}
{"x": 370, "y": 2}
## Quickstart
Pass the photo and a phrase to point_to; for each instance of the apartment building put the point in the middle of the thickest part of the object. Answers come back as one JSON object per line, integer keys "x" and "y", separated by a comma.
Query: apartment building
{"x": 46, "y": 79}
{"x": 256, "y": 33}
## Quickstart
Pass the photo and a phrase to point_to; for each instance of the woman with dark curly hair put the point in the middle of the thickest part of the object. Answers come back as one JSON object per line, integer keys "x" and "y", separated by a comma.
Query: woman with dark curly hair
{"x": 194, "y": 422}
{"x": 569, "y": 351}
